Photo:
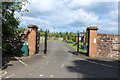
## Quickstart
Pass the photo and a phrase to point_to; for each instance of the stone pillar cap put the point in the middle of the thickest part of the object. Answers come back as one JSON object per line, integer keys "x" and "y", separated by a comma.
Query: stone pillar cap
{"x": 92, "y": 28}
{"x": 32, "y": 26}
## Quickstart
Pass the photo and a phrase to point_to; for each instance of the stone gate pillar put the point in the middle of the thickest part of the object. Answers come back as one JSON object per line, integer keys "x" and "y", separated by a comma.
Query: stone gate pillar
{"x": 32, "y": 40}
{"x": 92, "y": 43}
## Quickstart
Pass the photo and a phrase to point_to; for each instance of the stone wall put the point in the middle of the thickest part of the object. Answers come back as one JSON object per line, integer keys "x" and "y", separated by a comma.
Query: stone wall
{"x": 108, "y": 45}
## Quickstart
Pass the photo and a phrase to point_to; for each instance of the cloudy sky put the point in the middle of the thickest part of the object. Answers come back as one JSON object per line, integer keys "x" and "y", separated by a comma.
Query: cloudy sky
{"x": 71, "y": 15}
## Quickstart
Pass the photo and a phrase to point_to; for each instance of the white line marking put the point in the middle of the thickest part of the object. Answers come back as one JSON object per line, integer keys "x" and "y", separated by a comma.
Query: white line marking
{"x": 41, "y": 75}
{"x": 3, "y": 73}
{"x": 21, "y": 61}
{"x": 44, "y": 56}
{"x": 51, "y": 75}
{"x": 10, "y": 76}
{"x": 95, "y": 62}
{"x": 79, "y": 59}
{"x": 29, "y": 74}
{"x": 47, "y": 64}
{"x": 62, "y": 65}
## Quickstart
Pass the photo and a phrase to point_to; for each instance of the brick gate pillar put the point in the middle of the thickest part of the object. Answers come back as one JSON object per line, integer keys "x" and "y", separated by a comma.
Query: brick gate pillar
{"x": 32, "y": 39}
{"x": 92, "y": 43}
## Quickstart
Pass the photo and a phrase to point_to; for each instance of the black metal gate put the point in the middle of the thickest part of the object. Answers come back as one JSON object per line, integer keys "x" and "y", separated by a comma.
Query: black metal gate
{"x": 45, "y": 47}
{"x": 37, "y": 42}
{"x": 82, "y": 43}
{"x": 43, "y": 42}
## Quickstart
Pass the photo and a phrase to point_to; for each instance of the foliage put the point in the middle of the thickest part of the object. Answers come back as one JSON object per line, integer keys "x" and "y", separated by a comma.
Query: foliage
{"x": 65, "y": 35}
{"x": 69, "y": 41}
{"x": 75, "y": 47}
{"x": 86, "y": 37}
{"x": 10, "y": 23}
{"x": 22, "y": 29}
{"x": 41, "y": 32}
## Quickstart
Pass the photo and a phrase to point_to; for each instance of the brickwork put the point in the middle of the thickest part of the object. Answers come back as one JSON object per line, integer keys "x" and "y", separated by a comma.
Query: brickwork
{"x": 92, "y": 45}
{"x": 32, "y": 39}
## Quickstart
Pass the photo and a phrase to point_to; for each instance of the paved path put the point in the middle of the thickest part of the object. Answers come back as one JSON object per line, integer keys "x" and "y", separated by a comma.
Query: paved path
{"x": 60, "y": 63}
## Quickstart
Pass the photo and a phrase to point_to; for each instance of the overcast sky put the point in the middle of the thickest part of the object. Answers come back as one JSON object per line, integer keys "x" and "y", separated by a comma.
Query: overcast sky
{"x": 71, "y": 15}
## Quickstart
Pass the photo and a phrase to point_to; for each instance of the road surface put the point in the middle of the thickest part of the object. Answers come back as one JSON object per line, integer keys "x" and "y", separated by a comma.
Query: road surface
{"x": 59, "y": 62}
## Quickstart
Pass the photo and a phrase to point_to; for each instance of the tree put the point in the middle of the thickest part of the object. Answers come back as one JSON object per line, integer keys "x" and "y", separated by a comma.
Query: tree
{"x": 60, "y": 34}
{"x": 48, "y": 33}
{"x": 70, "y": 35}
{"x": 74, "y": 37}
{"x": 10, "y": 23}
{"x": 41, "y": 32}
{"x": 22, "y": 29}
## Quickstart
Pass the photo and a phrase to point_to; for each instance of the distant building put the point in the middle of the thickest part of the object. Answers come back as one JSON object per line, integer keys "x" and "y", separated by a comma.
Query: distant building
{"x": 59, "y": 38}
{"x": 52, "y": 38}
{"x": 81, "y": 36}
{"x": 42, "y": 38}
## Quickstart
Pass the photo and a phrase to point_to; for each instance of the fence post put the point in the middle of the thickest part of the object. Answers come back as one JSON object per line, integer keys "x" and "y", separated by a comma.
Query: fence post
{"x": 32, "y": 39}
{"x": 92, "y": 43}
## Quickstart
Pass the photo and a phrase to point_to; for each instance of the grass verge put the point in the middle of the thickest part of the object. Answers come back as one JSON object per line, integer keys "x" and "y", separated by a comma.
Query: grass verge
{"x": 42, "y": 41}
{"x": 75, "y": 47}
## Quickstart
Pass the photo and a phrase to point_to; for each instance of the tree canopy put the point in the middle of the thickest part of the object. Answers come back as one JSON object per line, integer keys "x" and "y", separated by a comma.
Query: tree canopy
{"x": 9, "y": 21}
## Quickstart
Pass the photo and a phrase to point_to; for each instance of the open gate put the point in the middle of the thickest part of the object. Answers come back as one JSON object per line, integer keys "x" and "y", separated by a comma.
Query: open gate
{"x": 82, "y": 43}
{"x": 43, "y": 42}
{"x": 37, "y": 42}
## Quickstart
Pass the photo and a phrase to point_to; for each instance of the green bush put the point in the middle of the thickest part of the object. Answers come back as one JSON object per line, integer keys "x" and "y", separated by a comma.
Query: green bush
{"x": 85, "y": 44}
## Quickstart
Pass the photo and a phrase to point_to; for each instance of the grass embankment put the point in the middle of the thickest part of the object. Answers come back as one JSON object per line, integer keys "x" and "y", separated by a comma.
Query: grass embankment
{"x": 41, "y": 41}
{"x": 72, "y": 45}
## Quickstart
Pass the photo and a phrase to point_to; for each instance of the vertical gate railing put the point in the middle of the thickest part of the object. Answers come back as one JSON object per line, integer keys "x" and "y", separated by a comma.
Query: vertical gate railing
{"x": 78, "y": 43}
{"x": 37, "y": 42}
{"x": 81, "y": 41}
{"x": 45, "y": 44}
{"x": 85, "y": 42}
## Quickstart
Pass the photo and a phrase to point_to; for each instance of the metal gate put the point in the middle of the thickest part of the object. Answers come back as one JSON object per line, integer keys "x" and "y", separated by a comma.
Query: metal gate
{"x": 37, "y": 42}
{"x": 82, "y": 43}
{"x": 43, "y": 44}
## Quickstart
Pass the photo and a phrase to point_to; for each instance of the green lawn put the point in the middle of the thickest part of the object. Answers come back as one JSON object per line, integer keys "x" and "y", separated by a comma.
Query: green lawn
{"x": 70, "y": 45}
{"x": 41, "y": 41}
{"x": 75, "y": 47}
